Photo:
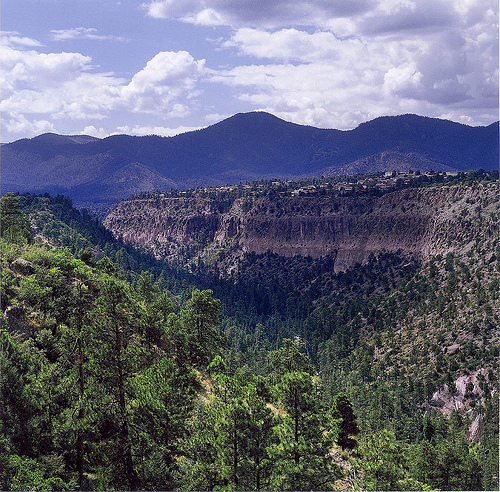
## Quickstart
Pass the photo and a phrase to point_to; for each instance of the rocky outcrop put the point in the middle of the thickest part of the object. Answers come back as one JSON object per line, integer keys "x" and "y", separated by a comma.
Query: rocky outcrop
{"x": 465, "y": 396}
{"x": 22, "y": 267}
{"x": 417, "y": 222}
{"x": 476, "y": 429}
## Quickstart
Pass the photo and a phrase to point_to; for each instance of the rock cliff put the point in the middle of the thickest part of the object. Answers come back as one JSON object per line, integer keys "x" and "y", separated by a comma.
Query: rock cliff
{"x": 418, "y": 222}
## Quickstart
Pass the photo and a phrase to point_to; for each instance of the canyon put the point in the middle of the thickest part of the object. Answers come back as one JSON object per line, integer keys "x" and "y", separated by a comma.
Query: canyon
{"x": 418, "y": 222}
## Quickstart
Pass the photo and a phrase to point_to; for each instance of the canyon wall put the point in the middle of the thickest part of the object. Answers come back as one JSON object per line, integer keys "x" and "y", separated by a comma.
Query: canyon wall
{"x": 419, "y": 222}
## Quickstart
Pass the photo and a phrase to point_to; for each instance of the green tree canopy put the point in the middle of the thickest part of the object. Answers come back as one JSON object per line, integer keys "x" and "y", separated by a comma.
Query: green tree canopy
{"x": 14, "y": 225}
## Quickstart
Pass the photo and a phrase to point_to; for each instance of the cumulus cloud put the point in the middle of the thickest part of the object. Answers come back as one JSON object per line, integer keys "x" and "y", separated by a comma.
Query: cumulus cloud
{"x": 287, "y": 44}
{"x": 21, "y": 125}
{"x": 399, "y": 56}
{"x": 83, "y": 33}
{"x": 364, "y": 58}
{"x": 66, "y": 86}
{"x": 313, "y": 94}
{"x": 272, "y": 13}
{"x": 158, "y": 86}
{"x": 404, "y": 80}
{"x": 55, "y": 84}
{"x": 156, "y": 130}
{"x": 33, "y": 71}
{"x": 94, "y": 132}
{"x": 356, "y": 17}
{"x": 408, "y": 17}
{"x": 137, "y": 130}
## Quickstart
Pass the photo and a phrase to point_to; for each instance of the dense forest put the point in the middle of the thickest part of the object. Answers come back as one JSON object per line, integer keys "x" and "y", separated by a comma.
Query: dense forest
{"x": 121, "y": 372}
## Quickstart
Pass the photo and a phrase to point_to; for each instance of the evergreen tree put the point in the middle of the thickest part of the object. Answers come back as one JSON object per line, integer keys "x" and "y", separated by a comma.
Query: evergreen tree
{"x": 303, "y": 459}
{"x": 342, "y": 412}
{"x": 116, "y": 355}
{"x": 165, "y": 396}
{"x": 260, "y": 436}
{"x": 201, "y": 320}
{"x": 14, "y": 225}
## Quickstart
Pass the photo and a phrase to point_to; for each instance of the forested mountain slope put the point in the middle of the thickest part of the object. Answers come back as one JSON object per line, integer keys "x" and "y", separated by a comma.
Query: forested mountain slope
{"x": 396, "y": 295}
{"x": 98, "y": 173}
{"x": 405, "y": 345}
{"x": 109, "y": 386}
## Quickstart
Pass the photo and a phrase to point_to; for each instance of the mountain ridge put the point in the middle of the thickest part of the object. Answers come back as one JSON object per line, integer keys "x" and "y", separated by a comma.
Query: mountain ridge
{"x": 96, "y": 173}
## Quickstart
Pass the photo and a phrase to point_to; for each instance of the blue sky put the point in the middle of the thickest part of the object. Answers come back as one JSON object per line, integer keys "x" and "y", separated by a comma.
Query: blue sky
{"x": 102, "y": 67}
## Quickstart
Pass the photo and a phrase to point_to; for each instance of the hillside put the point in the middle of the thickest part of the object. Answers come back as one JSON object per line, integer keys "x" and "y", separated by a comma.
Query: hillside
{"x": 99, "y": 173}
{"x": 382, "y": 287}
{"x": 409, "y": 337}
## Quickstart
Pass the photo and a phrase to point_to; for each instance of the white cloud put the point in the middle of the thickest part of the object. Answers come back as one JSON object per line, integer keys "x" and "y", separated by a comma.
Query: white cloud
{"x": 408, "y": 18}
{"x": 438, "y": 53}
{"x": 288, "y": 44}
{"x": 90, "y": 95}
{"x": 137, "y": 130}
{"x": 23, "y": 71}
{"x": 13, "y": 38}
{"x": 28, "y": 128}
{"x": 335, "y": 82}
{"x": 94, "y": 132}
{"x": 65, "y": 86}
{"x": 313, "y": 94}
{"x": 164, "y": 79}
{"x": 56, "y": 84}
{"x": 83, "y": 33}
{"x": 269, "y": 14}
{"x": 156, "y": 130}
{"x": 206, "y": 17}
{"x": 404, "y": 80}
{"x": 216, "y": 117}
{"x": 400, "y": 56}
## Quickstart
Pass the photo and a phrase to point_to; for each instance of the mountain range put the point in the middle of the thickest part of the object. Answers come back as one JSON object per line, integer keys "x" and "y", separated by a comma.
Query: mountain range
{"x": 98, "y": 173}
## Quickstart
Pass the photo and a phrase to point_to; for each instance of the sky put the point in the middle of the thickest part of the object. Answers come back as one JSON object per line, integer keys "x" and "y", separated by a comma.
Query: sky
{"x": 102, "y": 67}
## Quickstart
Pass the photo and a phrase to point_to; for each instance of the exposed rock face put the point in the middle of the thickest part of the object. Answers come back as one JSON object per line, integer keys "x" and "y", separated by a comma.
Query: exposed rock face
{"x": 490, "y": 258}
{"x": 476, "y": 429}
{"x": 22, "y": 267}
{"x": 446, "y": 401}
{"x": 417, "y": 221}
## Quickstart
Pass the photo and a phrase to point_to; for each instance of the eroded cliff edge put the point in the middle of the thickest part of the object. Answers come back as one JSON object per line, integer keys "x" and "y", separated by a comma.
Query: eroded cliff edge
{"x": 419, "y": 222}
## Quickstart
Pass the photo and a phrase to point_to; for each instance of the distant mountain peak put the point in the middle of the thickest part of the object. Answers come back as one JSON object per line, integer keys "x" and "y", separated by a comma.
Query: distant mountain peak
{"x": 56, "y": 139}
{"x": 252, "y": 118}
{"x": 245, "y": 147}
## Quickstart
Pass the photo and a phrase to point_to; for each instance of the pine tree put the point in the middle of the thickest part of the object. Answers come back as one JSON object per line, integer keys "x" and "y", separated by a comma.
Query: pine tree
{"x": 165, "y": 396}
{"x": 303, "y": 459}
{"x": 14, "y": 225}
{"x": 343, "y": 413}
{"x": 116, "y": 356}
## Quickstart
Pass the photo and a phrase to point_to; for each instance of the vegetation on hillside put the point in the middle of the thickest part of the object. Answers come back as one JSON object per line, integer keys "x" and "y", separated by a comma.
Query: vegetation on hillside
{"x": 118, "y": 373}
{"x": 366, "y": 184}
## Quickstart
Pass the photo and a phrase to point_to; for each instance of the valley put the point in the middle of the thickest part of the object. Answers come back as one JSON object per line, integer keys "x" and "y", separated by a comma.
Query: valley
{"x": 376, "y": 297}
